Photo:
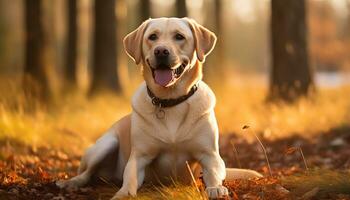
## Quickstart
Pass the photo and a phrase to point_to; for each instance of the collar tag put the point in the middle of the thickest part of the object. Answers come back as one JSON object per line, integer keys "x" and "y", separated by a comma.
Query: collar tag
{"x": 160, "y": 113}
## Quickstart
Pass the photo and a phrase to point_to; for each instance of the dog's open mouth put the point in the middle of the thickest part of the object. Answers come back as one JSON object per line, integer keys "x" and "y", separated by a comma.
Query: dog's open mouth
{"x": 164, "y": 76}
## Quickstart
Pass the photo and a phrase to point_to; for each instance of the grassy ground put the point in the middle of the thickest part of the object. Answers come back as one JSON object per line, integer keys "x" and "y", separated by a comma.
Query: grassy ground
{"x": 45, "y": 144}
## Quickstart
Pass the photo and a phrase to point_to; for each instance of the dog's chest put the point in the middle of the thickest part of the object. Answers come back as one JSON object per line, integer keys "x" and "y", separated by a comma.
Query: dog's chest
{"x": 179, "y": 123}
{"x": 175, "y": 118}
{"x": 174, "y": 125}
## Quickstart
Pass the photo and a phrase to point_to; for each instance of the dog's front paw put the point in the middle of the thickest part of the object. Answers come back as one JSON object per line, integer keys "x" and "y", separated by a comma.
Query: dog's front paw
{"x": 122, "y": 193}
{"x": 216, "y": 192}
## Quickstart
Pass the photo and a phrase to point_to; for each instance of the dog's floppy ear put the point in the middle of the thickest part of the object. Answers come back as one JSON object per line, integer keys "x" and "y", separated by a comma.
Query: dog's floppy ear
{"x": 203, "y": 38}
{"x": 133, "y": 42}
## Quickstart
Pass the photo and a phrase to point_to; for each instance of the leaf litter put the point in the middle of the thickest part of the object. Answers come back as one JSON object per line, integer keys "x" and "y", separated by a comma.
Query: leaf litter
{"x": 28, "y": 172}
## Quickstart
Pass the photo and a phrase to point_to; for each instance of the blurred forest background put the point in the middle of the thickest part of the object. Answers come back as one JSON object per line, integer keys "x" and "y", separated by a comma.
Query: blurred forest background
{"x": 65, "y": 52}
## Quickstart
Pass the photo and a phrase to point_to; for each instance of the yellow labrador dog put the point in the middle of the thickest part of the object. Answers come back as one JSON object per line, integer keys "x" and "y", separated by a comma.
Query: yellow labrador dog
{"x": 172, "y": 120}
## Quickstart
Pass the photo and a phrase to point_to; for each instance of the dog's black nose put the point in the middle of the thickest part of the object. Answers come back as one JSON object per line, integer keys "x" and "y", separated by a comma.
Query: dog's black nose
{"x": 161, "y": 52}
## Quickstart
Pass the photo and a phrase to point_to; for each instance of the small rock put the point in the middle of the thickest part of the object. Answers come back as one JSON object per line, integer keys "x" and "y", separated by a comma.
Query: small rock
{"x": 338, "y": 142}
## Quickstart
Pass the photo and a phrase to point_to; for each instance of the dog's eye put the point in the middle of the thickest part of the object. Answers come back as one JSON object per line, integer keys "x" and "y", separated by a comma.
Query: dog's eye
{"x": 178, "y": 36}
{"x": 152, "y": 37}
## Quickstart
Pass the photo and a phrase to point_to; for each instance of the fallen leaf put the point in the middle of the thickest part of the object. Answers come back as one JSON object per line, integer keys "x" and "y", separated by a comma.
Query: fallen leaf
{"x": 290, "y": 150}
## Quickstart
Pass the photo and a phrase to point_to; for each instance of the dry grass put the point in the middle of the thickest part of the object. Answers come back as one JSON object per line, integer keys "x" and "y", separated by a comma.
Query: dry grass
{"x": 174, "y": 192}
{"x": 245, "y": 104}
{"x": 72, "y": 121}
{"x": 324, "y": 181}
{"x": 75, "y": 119}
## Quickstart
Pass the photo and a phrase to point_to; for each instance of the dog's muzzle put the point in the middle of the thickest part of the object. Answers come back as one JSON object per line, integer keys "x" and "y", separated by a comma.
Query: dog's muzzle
{"x": 164, "y": 75}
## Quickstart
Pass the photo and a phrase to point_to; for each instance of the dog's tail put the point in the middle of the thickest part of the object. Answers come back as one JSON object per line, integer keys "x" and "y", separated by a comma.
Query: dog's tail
{"x": 235, "y": 173}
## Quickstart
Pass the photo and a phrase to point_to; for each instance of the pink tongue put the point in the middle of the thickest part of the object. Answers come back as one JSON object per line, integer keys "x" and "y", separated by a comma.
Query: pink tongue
{"x": 163, "y": 77}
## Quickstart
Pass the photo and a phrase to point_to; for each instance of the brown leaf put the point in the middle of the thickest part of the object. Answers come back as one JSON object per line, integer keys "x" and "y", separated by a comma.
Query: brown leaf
{"x": 290, "y": 150}
{"x": 265, "y": 169}
{"x": 245, "y": 127}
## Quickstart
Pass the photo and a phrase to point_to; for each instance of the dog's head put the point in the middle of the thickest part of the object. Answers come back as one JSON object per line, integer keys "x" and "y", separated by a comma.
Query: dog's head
{"x": 168, "y": 48}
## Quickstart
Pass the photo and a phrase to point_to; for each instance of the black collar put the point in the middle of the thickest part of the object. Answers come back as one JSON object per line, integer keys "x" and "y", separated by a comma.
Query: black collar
{"x": 163, "y": 103}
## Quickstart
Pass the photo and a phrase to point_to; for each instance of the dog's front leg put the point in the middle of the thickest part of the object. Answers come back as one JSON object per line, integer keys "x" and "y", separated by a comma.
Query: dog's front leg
{"x": 213, "y": 174}
{"x": 134, "y": 175}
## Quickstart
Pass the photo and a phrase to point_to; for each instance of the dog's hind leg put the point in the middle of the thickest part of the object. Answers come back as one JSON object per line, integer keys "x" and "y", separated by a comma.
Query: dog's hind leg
{"x": 90, "y": 163}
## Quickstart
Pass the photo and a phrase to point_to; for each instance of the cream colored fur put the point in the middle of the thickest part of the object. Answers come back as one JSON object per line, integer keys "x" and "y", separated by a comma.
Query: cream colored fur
{"x": 140, "y": 147}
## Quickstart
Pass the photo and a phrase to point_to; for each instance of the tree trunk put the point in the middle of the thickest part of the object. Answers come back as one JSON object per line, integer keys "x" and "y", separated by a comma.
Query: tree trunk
{"x": 217, "y": 56}
{"x": 181, "y": 10}
{"x": 291, "y": 75}
{"x": 145, "y": 10}
{"x": 71, "y": 45}
{"x": 35, "y": 83}
{"x": 105, "y": 75}
{"x": 218, "y": 53}
{"x": 347, "y": 26}
{"x": 218, "y": 11}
